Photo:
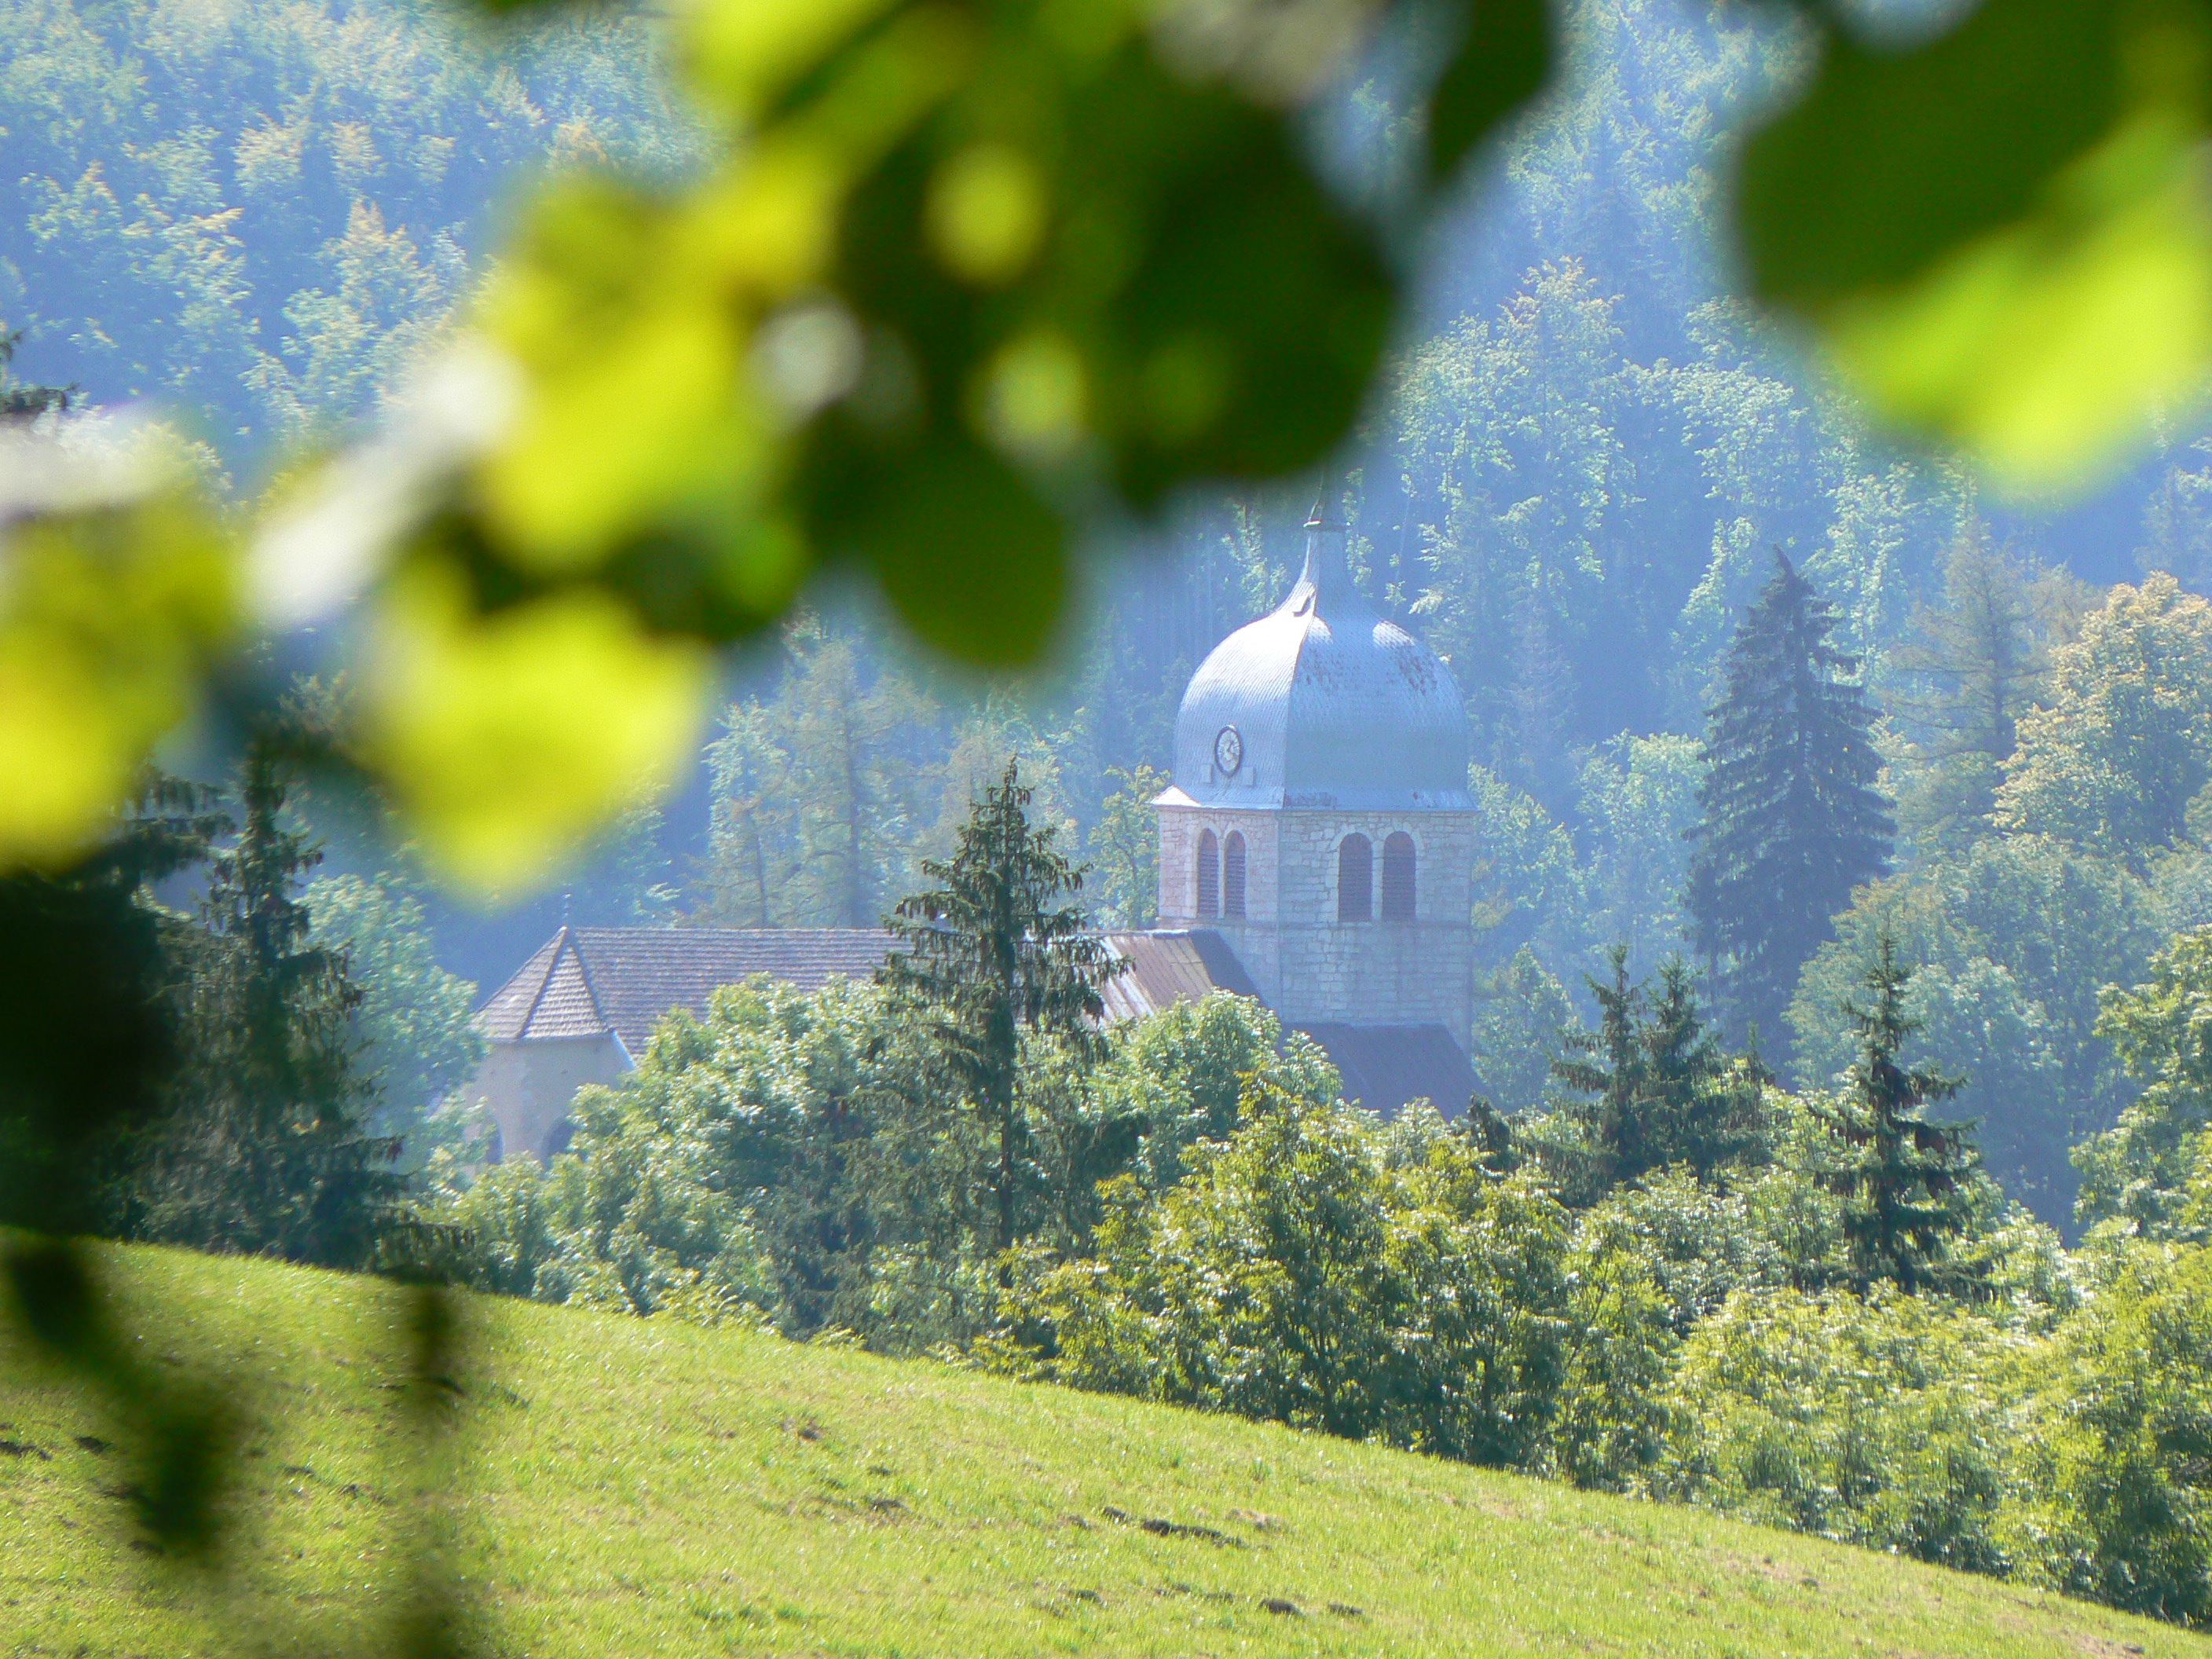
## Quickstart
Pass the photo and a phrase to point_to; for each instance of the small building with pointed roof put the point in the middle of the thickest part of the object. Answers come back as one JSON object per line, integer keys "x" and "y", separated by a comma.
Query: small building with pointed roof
{"x": 583, "y": 1007}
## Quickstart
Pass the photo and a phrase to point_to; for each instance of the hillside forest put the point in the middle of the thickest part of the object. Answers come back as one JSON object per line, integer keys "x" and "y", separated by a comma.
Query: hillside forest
{"x": 1889, "y": 1221}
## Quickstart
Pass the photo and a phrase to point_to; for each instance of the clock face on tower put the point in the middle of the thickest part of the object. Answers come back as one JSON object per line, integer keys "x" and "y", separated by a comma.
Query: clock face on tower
{"x": 1228, "y": 750}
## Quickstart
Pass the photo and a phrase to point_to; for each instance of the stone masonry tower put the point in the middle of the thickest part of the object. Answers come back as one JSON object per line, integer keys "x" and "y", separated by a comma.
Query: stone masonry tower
{"x": 1319, "y": 816}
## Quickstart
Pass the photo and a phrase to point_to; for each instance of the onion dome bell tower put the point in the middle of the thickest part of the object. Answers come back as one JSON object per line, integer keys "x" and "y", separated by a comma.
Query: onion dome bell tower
{"x": 1319, "y": 816}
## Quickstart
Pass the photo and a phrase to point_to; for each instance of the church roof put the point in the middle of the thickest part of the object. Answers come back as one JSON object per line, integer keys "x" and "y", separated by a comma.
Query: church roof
{"x": 1169, "y": 967}
{"x": 1383, "y": 1066}
{"x": 1331, "y": 705}
{"x": 621, "y": 982}
{"x": 590, "y": 981}
{"x": 1387, "y": 1067}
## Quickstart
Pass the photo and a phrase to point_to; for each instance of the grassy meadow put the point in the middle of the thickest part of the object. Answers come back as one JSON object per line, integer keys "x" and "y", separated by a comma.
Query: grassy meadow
{"x": 644, "y": 1487}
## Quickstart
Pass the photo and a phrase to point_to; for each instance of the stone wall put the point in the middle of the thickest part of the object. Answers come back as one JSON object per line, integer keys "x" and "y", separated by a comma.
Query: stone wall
{"x": 1179, "y": 829}
{"x": 1309, "y": 966}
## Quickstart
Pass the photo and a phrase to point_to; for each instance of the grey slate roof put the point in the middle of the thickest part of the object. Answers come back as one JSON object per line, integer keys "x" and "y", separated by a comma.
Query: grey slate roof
{"x": 585, "y": 982}
{"x": 1385, "y": 1067}
{"x": 1336, "y": 706}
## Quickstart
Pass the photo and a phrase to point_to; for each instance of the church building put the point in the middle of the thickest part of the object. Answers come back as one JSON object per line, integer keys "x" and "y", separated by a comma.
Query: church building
{"x": 1320, "y": 821}
{"x": 1316, "y": 851}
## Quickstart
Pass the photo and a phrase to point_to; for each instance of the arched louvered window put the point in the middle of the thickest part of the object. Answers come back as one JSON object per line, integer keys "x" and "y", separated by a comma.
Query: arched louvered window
{"x": 1209, "y": 874}
{"x": 1398, "y": 878}
{"x": 1355, "y": 880}
{"x": 1232, "y": 875}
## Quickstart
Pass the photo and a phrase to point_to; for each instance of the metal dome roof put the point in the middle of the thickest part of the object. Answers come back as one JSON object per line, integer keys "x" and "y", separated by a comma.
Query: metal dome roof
{"x": 1322, "y": 702}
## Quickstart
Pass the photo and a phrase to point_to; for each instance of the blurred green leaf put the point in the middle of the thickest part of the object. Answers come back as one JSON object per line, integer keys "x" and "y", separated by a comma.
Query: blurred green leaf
{"x": 113, "y": 607}
{"x": 1504, "y": 58}
{"x": 1254, "y": 313}
{"x": 2003, "y": 232}
{"x": 1894, "y": 158}
{"x": 636, "y": 404}
{"x": 749, "y": 50}
{"x": 964, "y": 549}
{"x": 953, "y": 229}
{"x": 2044, "y": 347}
{"x": 510, "y": 738}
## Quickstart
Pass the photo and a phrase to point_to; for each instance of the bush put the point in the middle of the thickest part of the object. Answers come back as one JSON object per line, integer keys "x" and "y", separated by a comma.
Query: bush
{"x": 2116, "y": 1471}
{"x": 1300, "y": 1274}
{"x": 1879, "y": 1420}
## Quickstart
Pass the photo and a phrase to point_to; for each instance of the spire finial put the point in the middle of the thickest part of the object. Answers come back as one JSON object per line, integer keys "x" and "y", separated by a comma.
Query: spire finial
{"x": 1319, "y": 516}
{"x": 1324, "y": 573}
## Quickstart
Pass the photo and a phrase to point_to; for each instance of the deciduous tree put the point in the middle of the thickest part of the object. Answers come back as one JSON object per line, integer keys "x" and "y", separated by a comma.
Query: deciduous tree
{"x": 2134, "y": 1173}
{"x": 2126, "y": 743}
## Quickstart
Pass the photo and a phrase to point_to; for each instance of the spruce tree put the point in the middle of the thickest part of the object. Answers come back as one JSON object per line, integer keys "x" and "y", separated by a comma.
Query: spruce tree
{"x": 260, "y": 1151}
{"x": 1697, "y": 1106}
{"x": 88, "y": 1032}
{"x": 1789, "y": 818}
{"x": 1656, "y": 1088}
{"x": 1606, "y": 1067}
{"x": 993, "y": 952}
{"x": 1902, "y": 1175}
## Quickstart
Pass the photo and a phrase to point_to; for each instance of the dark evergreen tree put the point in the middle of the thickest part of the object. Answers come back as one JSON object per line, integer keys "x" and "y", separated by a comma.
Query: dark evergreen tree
{"x": 1903, "y": 1176}
{"x": 87, "y": 1028}
{"x": 1790, "y": 820}
{"x": 259, "y": 1150}
{"x": 1605, "y": 1067}
{"x": 1697, "y": 1106}
{"x": 1489, "y": 1135}
{"x": 1656, "y": 1090}
{"x": 994, "y": 952}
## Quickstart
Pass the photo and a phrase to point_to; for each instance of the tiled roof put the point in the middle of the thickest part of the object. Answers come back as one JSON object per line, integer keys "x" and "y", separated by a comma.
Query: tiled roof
{"x": 507, "y": 1013}
{"x": 1385, "y": 1067}
{"x": 586, "y": 981}
{"x": 1167, "y": 968}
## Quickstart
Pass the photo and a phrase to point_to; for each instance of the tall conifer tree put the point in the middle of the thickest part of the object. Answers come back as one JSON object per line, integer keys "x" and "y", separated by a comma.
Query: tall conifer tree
{"x": 1657, "y": 1089}
{"x": 1605, "y": 1067}
{"x": 1790, "y": 820}
{"x": 993, "y": 950}
{"x": 261, "y": 1151}
{"x": 1902, "y": 1175}
{"x": 1700, "y": 1107}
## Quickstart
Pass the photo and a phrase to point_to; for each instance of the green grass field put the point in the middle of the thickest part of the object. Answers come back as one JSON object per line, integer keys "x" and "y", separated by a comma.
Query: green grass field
{"x": 645, "y": 1488}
